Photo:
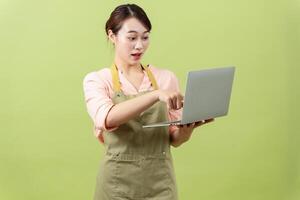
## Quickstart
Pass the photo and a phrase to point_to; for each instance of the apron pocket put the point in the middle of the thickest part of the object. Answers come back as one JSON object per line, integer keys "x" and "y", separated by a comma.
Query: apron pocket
{"x": 142, "y": 178}
{"x": 129, "y": 179}
{"x": 157, "y": 178}
{"x": 106, "y": 179}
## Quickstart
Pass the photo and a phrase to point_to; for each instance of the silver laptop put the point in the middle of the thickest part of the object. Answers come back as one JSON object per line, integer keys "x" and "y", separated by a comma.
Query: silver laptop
{"x": 207, "y": 95}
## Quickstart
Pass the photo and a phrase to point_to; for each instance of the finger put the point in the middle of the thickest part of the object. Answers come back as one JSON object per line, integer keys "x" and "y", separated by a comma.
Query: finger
{"x": 179, "y": 126}
{"x": 170, "y": 101}
{"x": 206, "y": 121}
{"x": 179, "y": 102}
{"x": 199, "y": 123}
{"x": 169, "y": 104}
{"x": 174, "y": 102}
{"x": 191, "y": 125}
{"x": 209, "y": 120}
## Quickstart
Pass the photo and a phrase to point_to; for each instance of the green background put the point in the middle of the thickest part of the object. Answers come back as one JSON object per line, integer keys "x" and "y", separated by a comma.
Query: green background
{"x": 47, "y": 148}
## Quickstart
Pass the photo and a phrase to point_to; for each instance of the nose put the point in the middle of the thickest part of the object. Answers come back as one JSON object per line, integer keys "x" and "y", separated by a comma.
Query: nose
{"x": 139, "y": 45}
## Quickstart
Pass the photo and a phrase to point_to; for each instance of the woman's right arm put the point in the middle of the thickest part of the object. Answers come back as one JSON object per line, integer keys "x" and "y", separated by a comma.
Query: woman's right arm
{"x": 108, "y": 116}
{"x": 126, "y": 110}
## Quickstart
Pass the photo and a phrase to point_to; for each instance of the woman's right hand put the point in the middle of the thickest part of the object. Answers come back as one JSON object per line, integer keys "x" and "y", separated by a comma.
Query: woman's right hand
{"x": 174, "y": 100}
{"x": 120, "y": 114}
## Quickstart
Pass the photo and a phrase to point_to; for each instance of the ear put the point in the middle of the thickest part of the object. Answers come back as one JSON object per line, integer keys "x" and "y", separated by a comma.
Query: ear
{"x": 111, "y": 36}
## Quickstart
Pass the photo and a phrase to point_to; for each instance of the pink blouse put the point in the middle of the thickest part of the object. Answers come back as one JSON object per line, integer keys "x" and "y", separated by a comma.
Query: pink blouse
{"x": 98, "y": 91}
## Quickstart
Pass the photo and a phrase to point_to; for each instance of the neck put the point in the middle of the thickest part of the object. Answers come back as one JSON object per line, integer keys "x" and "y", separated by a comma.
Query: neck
{"x": 127, "y": 67}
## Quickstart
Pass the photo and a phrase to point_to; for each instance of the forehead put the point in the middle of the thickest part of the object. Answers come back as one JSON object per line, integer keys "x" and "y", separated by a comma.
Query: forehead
{"x": 132, "y": 25}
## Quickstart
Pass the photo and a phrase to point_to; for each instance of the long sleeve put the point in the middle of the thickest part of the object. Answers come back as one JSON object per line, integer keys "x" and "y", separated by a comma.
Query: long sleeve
{"x": 98, "y": 102}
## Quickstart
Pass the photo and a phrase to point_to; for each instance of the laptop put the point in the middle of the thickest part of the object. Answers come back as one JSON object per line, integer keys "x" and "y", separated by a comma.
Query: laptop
{"x": 207, "y": 95}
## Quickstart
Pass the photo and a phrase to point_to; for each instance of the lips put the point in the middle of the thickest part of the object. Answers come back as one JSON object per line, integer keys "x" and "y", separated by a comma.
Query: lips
{"x": 136, "y": 56}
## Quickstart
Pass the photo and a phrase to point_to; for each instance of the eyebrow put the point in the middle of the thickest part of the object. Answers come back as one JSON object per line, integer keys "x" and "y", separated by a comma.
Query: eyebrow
{"x": 132, "y": 31}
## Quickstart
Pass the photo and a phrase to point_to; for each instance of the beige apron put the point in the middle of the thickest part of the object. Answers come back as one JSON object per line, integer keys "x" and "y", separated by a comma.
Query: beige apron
{"x": 137, "y": 163}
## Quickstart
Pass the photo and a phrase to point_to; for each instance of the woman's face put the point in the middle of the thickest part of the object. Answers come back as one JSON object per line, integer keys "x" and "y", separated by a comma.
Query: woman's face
{"x": 131, "y": 41}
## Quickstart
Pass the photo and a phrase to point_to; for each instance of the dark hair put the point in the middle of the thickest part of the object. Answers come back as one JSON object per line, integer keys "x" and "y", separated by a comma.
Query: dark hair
{"x": 123, "y": 12}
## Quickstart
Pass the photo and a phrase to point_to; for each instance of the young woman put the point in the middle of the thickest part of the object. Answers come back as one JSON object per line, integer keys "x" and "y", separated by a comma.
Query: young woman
{"x": 137, "y": 163}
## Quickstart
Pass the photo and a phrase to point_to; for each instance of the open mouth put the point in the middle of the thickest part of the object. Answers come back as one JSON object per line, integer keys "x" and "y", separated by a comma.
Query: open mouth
{"x": 136, "y": 56}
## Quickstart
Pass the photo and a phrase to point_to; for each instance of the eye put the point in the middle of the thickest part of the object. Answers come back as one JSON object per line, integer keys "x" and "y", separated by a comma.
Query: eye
{"x": 146, "y": 38}
{"x": 131, "y": 38}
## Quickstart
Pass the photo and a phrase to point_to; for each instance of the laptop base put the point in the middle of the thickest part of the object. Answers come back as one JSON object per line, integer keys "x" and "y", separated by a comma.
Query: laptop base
{"x": 178, "y": 122}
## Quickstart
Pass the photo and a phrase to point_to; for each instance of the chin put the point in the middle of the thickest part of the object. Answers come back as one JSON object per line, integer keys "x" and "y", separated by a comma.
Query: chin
{"x": 134, "y": 62}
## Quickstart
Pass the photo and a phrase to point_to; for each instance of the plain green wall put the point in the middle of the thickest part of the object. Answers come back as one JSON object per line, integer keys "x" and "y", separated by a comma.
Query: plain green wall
{"x": 47, "y": 148}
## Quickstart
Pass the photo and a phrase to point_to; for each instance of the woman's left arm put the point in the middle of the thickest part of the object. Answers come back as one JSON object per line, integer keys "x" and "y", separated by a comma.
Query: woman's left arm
{"x": 184, "y": 132}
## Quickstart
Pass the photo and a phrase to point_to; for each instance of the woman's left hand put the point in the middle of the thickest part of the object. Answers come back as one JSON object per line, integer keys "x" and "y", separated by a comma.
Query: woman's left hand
{"x": 184, "y": 132}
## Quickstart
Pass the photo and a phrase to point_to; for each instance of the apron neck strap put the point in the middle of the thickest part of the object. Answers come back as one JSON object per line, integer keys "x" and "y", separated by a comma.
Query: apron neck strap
{"x": 116, "y": 80}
